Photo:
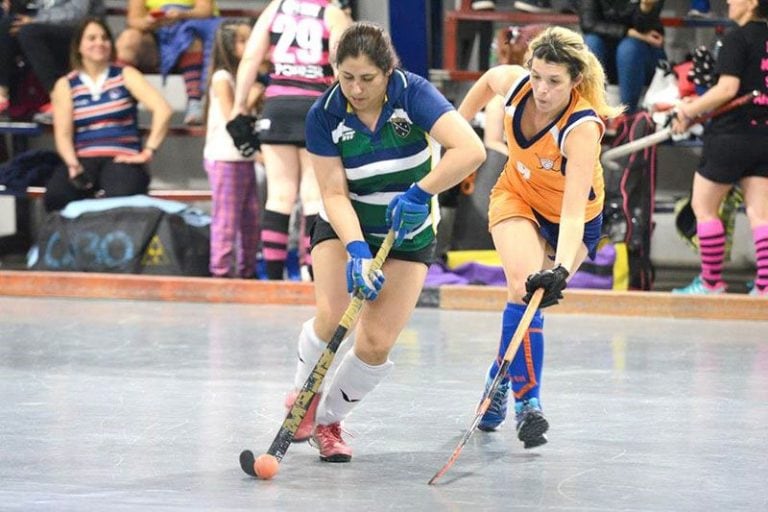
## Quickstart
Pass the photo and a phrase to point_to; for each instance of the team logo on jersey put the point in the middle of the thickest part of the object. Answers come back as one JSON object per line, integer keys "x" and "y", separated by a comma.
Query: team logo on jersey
{"x": 547, "y": 163}
{"x": 402, "y": 126}
{"x": 400, "y": 122}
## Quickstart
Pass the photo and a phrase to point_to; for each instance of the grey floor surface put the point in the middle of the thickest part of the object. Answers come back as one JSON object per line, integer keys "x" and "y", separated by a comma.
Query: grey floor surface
{"x": 128, "y": 406}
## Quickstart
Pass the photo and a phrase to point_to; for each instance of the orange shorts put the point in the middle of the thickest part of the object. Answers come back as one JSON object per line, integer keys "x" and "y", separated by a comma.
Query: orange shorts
{"x": 506, "y": 203}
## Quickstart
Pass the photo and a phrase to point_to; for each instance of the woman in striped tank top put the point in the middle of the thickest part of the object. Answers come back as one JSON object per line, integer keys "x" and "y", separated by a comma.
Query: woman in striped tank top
{"x": 95, "y": 123}
{"x": 298, "y": 37}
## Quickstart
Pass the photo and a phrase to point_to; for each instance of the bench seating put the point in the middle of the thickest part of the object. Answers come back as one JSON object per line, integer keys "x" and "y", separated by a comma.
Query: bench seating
{"x": 174, "y": 195}
{"x": 465, "y": 15}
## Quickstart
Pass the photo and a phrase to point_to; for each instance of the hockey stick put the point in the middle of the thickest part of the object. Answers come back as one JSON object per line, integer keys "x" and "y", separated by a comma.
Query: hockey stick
{"x": 514, "y": 344}
{"x": 313, "y": 383}
{"x": 658, "y": 137}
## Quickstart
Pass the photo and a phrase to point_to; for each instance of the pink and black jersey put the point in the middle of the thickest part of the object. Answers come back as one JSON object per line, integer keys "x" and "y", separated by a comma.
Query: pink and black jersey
{"x": 105, "y": 115}
{"x": 299, "y": 43}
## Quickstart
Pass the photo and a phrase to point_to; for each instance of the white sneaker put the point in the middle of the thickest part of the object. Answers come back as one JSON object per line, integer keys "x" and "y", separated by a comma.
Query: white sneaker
{"x": 483, "y": 5}
{"x": 194, "y": 114}
{"x": 695, "y": 13}
{"x": 534, "y": 6}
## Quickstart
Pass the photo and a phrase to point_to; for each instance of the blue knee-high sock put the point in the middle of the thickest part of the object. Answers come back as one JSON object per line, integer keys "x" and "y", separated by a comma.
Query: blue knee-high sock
{"x": 525, "y": 370}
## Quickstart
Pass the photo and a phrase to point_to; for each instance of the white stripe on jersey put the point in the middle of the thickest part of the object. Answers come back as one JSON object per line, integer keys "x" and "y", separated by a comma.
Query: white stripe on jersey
{"x": 389, "y": 166}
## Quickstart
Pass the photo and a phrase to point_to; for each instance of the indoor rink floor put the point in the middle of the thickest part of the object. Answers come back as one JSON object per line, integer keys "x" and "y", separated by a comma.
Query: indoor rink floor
{"x": 118, "y": 405}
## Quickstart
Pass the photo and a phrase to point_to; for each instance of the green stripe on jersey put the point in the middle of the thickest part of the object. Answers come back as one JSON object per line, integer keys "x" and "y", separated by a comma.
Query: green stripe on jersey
{"x": 378, "y": 177}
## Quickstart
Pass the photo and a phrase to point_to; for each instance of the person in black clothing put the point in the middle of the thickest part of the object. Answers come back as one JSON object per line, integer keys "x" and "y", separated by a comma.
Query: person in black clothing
{"x": 734, "y": 150}
{"x": 628, "y": 39}
{"x": 42, "y": 35}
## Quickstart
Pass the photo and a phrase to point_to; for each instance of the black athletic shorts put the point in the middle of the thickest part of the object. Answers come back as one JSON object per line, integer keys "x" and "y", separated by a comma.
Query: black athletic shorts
{"x": 322, "y": 231}
{"x": 728, "y": 158}
{"x": 282, "y": 120}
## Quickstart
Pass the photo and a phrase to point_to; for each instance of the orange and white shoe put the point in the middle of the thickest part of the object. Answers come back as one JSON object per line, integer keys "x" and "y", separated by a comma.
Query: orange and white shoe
{"x": 327, "y": 438}
{"x": 304, "y": 432}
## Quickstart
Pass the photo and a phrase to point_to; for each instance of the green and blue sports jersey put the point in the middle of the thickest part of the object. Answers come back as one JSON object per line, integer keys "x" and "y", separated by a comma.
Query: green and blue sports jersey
{"x": 383, "y": 163}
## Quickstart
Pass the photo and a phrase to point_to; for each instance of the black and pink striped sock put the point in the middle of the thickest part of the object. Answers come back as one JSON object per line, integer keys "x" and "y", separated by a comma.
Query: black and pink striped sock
{"x": 274, "y": 240}
{"x": 712, "y": 248}
{"x": 760, "y": 236}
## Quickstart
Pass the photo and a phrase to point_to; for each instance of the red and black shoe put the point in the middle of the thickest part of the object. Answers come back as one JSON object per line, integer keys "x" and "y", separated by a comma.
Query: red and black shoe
{"x": 327, "y": 438}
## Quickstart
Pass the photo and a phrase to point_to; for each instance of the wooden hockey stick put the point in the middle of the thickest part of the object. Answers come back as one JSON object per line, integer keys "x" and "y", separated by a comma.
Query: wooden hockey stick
{"x": 314, "y": 382}
{"x": 485, "y": 402}
{"x": 658, "y": 137}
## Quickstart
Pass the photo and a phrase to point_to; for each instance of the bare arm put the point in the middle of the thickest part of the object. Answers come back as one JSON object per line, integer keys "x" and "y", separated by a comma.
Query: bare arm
{"x": 333, "y": 188}
{"x": 224, "y": 93}
{"x": 722, "y": 92}
{"x": 155, "y": 103}
{"x": 493, "y": 134}
{"x": 255, "y": 52}
{"x": 338, "y": 21}
{"x": 464, "y": 152}
{"x": 63, "y": 125}
{"x": 582, "y": 148}
{"x": 254, "y": 95}
{"x": 138, "y": 16}
{"x": 201, "y": 9}
{"x": 495, "y": 81}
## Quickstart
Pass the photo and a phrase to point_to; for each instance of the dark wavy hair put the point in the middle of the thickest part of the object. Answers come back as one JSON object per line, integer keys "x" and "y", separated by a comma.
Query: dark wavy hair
{"x": 75, "y": 59}
{"x": 369, "y": 39}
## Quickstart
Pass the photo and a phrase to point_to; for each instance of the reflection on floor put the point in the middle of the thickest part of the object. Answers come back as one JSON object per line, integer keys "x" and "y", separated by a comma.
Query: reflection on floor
{"x": 127, "y": 406}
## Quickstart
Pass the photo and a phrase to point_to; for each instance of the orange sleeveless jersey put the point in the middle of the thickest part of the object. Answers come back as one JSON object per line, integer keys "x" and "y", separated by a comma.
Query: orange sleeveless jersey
{"x": 533, "y": 178}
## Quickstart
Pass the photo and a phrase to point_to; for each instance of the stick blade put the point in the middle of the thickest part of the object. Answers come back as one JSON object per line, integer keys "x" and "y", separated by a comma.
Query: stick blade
{"x": 444, "y": 469}
{"x": 246, "y": 463}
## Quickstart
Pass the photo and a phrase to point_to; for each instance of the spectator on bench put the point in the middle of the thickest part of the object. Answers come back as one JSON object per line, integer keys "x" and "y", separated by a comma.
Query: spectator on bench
{"x": 42, "y": 38}
{"x": 96, "y": 123}
{"x": 628, "y": 39}
{"x": 167, "y": 34}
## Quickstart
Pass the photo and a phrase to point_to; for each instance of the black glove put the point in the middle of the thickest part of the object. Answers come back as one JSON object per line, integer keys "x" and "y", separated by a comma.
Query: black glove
{"x": 81, "y": 182}
{"x": 243, "y": 131}
{"x": 553, "y": 281}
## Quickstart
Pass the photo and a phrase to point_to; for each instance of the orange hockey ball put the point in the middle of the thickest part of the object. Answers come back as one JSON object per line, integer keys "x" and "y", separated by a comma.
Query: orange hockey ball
{"x": 266, "y": 466}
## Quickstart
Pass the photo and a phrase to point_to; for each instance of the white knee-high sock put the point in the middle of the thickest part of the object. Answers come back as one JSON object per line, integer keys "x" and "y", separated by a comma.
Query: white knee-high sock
{"x": 353, "y": 380}
{"x": 309, "y": 350}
